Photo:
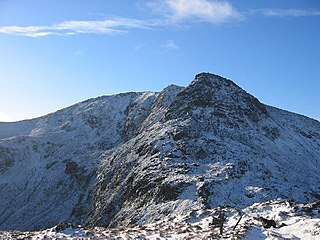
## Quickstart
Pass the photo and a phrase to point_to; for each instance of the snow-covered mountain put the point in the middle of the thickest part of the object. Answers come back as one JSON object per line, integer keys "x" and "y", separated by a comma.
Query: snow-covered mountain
{"x": 135, "y": 158}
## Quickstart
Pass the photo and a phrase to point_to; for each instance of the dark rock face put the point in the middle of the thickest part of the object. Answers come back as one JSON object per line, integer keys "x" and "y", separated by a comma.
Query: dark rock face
{"x": 6, "y": 160}
{"x": 266, "y": 223}
{"x": 71, "y": 168}
{"x": 136, "y": 157}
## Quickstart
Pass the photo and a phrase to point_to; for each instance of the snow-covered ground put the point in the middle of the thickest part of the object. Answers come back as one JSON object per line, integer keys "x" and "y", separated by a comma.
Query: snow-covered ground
{"x": 293, "y": 221}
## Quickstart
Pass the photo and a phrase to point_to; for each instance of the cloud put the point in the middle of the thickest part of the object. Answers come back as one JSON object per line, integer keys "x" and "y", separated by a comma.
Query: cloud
{"x": 287, "y": 12}
{"x": 215, "y": 12}
{"x": 170, "y": 45}
{"x": 5, "y": 118}
{"x": 170, "y": 12}
{"x": 110, "y": 27}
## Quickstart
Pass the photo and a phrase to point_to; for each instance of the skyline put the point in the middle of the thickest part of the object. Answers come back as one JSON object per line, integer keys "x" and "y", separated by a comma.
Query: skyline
{"x": 55, "y": 54}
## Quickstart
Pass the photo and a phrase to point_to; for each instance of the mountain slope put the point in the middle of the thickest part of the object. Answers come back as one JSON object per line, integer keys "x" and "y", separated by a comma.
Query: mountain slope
{"x": 138, "y": 157}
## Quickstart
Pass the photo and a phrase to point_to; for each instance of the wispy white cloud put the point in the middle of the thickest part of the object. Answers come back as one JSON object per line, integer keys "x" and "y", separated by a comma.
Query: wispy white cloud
{"x": 287, "y": 12}
{"x": 170, "y": 45}
{"x": 170, "y": 12}
{"x": 213, "y": 11}
{"x": 111, "y": 27}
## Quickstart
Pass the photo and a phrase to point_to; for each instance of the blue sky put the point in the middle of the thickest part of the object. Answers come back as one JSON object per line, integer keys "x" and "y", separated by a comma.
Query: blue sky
{"x": 56, "y": 53}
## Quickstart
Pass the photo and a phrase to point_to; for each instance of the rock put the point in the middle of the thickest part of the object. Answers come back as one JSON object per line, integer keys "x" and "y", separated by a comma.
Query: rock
{"x": 266, "y": 223}
{"x": 71, "y": 168}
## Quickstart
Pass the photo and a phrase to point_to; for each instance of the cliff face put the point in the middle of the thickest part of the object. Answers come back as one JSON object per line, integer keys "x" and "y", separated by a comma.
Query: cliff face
{"x": 137, "y": 157}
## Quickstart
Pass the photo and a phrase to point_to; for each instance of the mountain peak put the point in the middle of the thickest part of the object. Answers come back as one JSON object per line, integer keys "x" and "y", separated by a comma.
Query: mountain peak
{"x": 211, "y": 79}
{"x": 207, "y": 75}
{"x": 225, "y": 98}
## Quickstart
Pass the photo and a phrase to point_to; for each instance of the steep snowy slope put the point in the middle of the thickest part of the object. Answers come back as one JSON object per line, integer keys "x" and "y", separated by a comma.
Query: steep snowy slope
{"x": 138, "y": 157}
{"x": 48, "y": 170}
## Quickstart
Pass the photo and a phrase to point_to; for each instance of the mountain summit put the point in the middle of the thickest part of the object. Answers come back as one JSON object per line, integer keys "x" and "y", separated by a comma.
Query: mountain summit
{"x": 221, "y": 95}
{"x": 135, "y": 158}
